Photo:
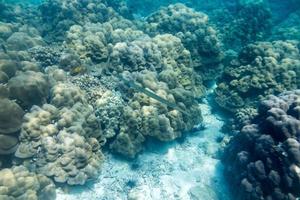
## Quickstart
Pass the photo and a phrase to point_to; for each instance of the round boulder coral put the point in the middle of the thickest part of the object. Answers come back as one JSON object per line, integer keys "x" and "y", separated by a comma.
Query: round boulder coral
{"x": 20, "y": 41}
{"x": 29, "y": 88}
{"x": 10, "y": 116}
{"x": 62, "y": 141}
{"x": 263, "y": 160}
{"x": 18, "y": 183}
{"x": 195, "y": 32}
{"x": 147, "y": 115}
{"x": 261, "y": 69}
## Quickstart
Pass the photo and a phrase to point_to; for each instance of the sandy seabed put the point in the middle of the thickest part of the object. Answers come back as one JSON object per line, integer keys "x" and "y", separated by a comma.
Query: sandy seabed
{"x": 179, "y": 171}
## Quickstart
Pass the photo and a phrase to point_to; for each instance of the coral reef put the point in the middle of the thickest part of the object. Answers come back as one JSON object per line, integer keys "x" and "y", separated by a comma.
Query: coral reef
{"x": 289, "y": 29}
{"x": 18, "y": 183}
{"x": 162, "y": 65}
{"x": 195, "y": 32}
{"x": 20, "y": 37}
{"x": 81, "y": 76}
{"x": 147, "y": 7}
{"x": 6, "y": 12}
{"x": 29, "y": 88}
{"x": 108, "y": 103}
{"x": 262, "y": 161}
{"x": 129, "y": 119}
{"x": 94, "y": 40}
{"x": 58, "y": 16}
{"x": 60, "y": 139}
{"x": 11, "y": 115}
{"x": 247, "y": 23}
{"x": 8, "y": 69}
{"x": 19, "y": 41}
{"x": 261, "y": 69}
{"x": 46, "y": 55}
{"x": 144, "y": 116}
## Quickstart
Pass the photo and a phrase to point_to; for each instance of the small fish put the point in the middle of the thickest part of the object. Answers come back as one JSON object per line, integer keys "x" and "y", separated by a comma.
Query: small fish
{"x": 150, "y": 94}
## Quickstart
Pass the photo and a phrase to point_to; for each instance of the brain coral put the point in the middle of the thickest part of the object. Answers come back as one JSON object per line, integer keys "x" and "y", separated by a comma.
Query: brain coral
{"x": 195, "y": 33}
{"x": 18, "y": 183}
{"x": 263, "y": 160}
{"x": 262, "y": 68}
{"x": 60, "y": 140}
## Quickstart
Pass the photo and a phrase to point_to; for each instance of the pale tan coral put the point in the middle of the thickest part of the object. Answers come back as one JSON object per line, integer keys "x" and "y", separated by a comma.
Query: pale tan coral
{"x": 8, "y": 67}
{"x": 62, "y": 138}
{"x": 145, "y": 116}
{"x": 261, "y": 69}
{"x": 18, "y": 183}
{"x": 6, "y": 29}
{"x": 195, "y": 32}
{"x": 60, "y": 15}
{"x": 161, "y": 64}
{"x": 94, "y": 40}
{"x": 65, "y": 95}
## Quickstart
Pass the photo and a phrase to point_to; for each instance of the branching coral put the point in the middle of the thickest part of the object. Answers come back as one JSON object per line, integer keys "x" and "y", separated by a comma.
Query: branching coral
{"x": 263, "y": 160}
{"x": 46, "y": 55}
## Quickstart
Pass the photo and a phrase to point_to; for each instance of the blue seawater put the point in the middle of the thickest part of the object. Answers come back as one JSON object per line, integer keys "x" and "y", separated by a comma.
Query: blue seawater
{"x": 150, "y": 99}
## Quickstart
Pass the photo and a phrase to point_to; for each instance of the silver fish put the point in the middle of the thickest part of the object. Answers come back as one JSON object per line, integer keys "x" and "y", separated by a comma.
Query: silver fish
{"x": 151, "y": 94}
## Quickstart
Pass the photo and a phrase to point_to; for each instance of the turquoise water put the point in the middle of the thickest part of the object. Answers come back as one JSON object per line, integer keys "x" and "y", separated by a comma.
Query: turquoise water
{"x": 149, "y": 100}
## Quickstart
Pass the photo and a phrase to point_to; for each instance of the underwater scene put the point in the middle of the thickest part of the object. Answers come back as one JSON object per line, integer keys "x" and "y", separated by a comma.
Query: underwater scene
{"x": 149, "y": 99}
